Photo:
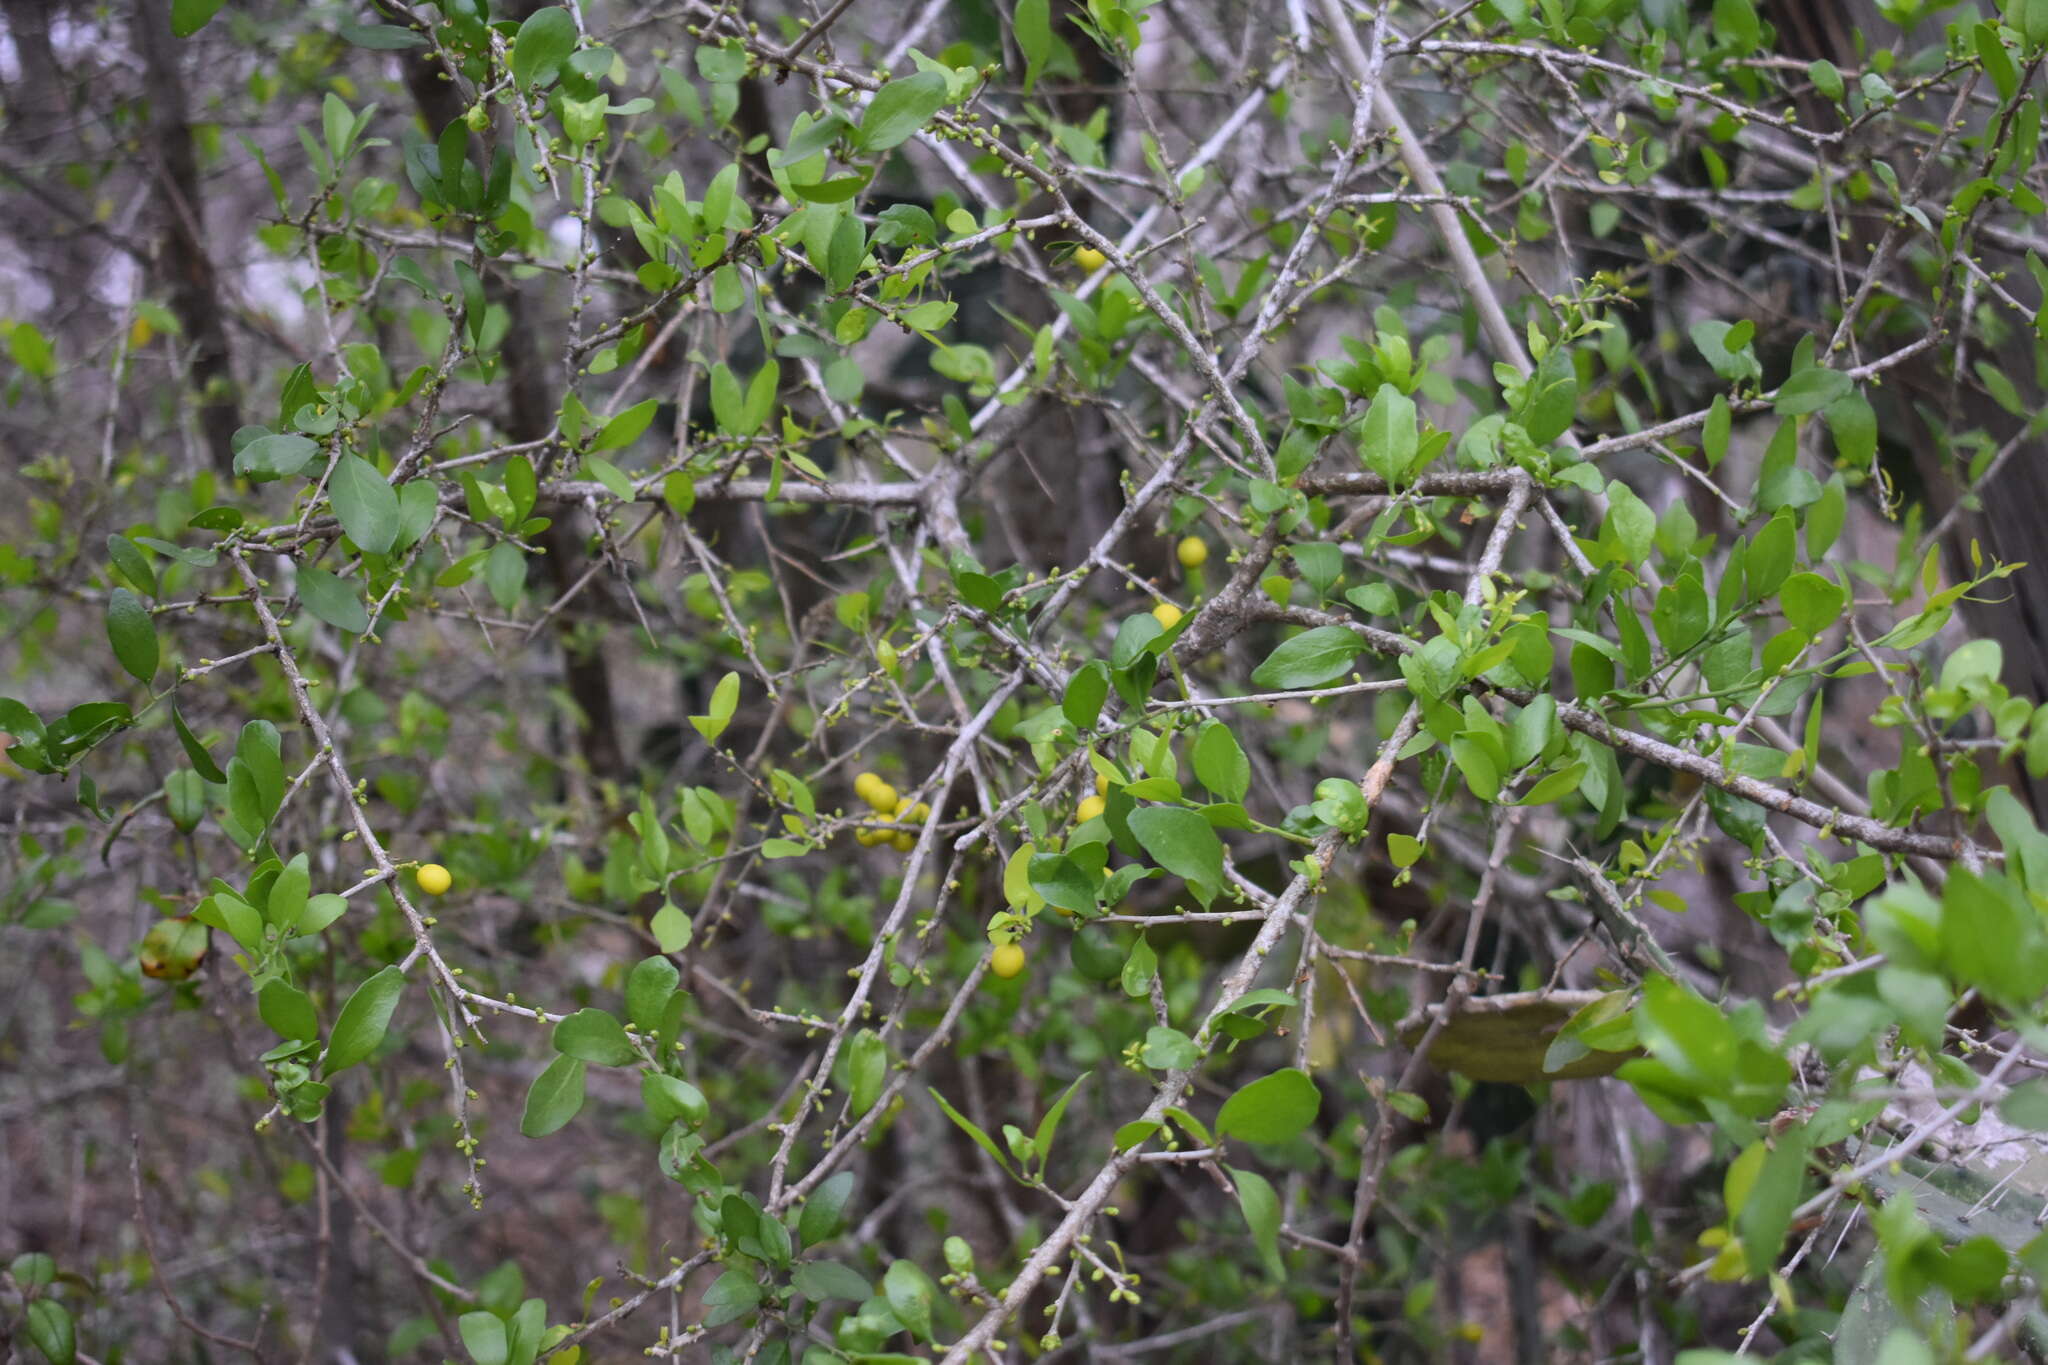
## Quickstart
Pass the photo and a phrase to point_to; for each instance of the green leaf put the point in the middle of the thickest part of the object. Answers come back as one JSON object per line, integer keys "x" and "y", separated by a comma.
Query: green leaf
{"x": 821, "y": 1280}
{"x": 1633, "y": 524}
{"x": 544, "y": 41}
{"x": 361, "y": 1025}
{"x": 288, "y": 894}
{"x": 1810, "y": 391}
{"x": 50, "y": 1327}
{"x": 1261, "y": 1207}
{"x": 194, "y": 750}
{"x": 1310, "y": 659}
{"x": 1139, "y": 968}
{"x": 417, "y": 505}
{"x": 679, "y": 491}
{"x": 1086, "y": 691}
{"x": 648, "y": 988}
{"x": 593, "y": 1035}
{"x": 1812, "y": 603}
{"x": 1827, "y": 79}
{"x": 133, "y": 563}
{"x": 725, "y": 700}
{"x": 1735, "y": 363}
{"x": 1555, "y": 786}
{"x": 1031, "y": 23}
{"x": 1853, "y": 424}
{"x": 626, "y": 428}
{"x": 33, "y": 1269}
{"x": 275, "y": 457}
{"x": 2027, "y": 1105}
{"x": 554, "y": 1097}
{"x": 337, "y": 601}
{"x": 1688, "y": 1034}
{"x": 824, "y": 1211}
{"x": 671, "y": 928}
{"x": 289, "y": 1011}
{"x": 1183, "y": 843}
{"x": 1770, "y": 556}
{"x": 483, "y": 1336}
{"x": 505, "y": 574}
{"x": 1168, "y": 1049}
{"x": 761, "y": 396}
{"x": 1766, "y": 1214}
{"x": 189, "y": 16}
{"x": 728, "y": 403}
{"x": 910, "y": 1293}
{"x": 867, "y": 1070}
{"x": 233, "y": 916}
{"x": 1062, "y": 882}
{"x": 257, "y": 750}
{"x": 899, "y": 109}
{"x": 1274, "y": 1108}
{"x": 1714, "y": 435}
{"x": 365, "y": 504}
{"x": 671, "y": 1099}
{"x": 611, "y": 476}
{"x": 1048, "y": 1127}
{"x": 132, "y": 633}
{"x": 1389, "y": 437}
{"x": 969, "y": 1127}
{"x": 185, "y": 799}
{"x": 1550, "y": 397}
{"x": 379, "y": 37}
{"x": 322, "y": 911}
{"x": 1220, "y": 764}
{"x": 731, "y": 1297}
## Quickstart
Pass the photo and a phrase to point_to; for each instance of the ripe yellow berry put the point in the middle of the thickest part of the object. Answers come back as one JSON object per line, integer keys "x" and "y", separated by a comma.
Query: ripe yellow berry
{"x": 865, "y": 783}
{"x": 905, "y": 842}
{"x": 868, "y": 838}
{"x": 881, "y": 796}
{"x": 1089, "y": 808}
{"x": 1192, "y": 552}
{"x": 1101, "y": 784}
{"x": 433, "y": 878}
{"x": 1167, "y": 615}
{"x": 1088, "y": 258}
{"x": 1006, "y": 961}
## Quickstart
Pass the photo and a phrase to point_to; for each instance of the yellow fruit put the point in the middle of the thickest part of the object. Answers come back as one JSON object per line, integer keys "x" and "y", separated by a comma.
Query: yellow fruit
{"x": 905, "y": 841}
{"x": 865, "y": 784}
{"x": 433, "y": 878}
{"x": 882, "y": 797}
{"x": 1088, "y": 258}
{"x": 1192, "y": 552}
{"x": 868, "y": 838}
{"x": 1101, "y": 785}
{"x": 173, "y": 949}
{"x": 1089, "y": 809}
{"x": 1006, "y": 961}
{"x": 1167, "y": 615}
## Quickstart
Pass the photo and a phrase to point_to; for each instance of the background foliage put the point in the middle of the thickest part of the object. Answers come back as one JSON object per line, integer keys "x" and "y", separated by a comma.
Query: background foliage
{"x": 1449, "y": 578}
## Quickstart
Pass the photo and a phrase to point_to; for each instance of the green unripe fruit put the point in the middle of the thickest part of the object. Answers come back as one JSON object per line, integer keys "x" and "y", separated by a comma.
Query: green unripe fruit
{"x": 1096, "y": 953}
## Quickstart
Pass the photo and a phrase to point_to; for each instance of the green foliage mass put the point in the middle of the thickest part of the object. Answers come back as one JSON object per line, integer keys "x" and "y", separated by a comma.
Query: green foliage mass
{"x": 706, "y": 477}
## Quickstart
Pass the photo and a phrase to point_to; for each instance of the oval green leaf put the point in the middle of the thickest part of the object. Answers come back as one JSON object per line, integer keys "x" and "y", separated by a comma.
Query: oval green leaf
{"x": 1274, "y": 1108}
